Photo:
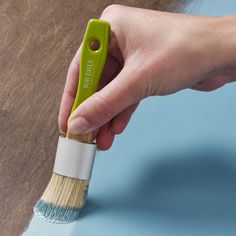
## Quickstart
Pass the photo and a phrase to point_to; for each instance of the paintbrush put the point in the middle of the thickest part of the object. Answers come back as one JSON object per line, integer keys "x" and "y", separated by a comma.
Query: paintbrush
{"x": 66, "y": 193}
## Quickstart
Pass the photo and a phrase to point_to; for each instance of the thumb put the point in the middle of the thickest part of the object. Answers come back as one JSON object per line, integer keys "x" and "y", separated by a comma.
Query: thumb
{"x": 105, "y": 104}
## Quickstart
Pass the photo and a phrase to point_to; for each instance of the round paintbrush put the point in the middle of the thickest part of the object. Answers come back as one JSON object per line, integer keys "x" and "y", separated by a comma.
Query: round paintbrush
{"x": 66, "y": 192}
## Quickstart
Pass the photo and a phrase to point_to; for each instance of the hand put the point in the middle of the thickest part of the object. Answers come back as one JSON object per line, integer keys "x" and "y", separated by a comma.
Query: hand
{"x": 150, "y": 53}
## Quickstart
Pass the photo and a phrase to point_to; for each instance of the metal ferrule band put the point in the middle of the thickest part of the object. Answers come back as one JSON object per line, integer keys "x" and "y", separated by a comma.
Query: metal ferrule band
{"x": 74, "y": 159}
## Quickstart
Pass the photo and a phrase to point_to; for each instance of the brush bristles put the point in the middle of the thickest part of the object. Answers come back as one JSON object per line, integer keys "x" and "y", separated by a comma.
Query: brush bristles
{"x": 62, "y": 200}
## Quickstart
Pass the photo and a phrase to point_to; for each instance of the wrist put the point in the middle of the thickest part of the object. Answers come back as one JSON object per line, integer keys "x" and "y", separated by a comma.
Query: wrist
{"x": 213, "y": 41}
{"x": 223, "y": 41}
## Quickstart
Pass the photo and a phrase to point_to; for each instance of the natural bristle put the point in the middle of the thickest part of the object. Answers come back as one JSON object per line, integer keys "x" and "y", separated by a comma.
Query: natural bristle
{"x": 62, "y": 200}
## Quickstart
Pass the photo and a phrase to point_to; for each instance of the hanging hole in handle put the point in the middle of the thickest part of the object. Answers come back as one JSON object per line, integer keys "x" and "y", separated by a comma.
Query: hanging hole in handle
{"x": 94, "y": 44}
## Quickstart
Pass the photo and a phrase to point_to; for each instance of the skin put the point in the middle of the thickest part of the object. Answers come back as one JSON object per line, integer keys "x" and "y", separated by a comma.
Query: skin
{"x": 150, "y": 53}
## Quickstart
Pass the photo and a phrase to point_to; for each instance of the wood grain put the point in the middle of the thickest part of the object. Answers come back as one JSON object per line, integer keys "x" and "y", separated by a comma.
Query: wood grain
{"x": 37, "y": 42}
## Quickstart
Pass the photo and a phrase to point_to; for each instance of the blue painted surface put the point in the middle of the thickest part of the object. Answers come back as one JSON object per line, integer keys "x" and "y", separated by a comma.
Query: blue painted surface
{"x": 172, "y": 173}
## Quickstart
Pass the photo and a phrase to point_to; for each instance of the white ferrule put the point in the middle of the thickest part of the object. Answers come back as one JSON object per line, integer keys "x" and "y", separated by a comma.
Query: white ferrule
{"x": 74, "y": 159}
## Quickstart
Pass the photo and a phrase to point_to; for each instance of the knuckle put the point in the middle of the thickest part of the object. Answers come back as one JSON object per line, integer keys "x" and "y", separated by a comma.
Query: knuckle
{"x": 103, "y": 108}
{"x": 111, "y": 11}
{"x": 119, "y": 127}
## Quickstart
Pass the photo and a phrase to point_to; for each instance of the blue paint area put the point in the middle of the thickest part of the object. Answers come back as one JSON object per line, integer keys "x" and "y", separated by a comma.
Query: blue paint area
{"x": 172, "y": 173}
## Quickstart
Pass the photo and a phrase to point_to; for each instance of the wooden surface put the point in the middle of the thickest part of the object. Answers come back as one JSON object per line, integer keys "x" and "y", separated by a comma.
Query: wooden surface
{"x": 37, "y": 42}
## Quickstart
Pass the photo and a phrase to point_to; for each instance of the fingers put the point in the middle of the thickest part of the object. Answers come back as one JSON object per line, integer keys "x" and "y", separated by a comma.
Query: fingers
{"x": 105, "y": 137}
{"x": 112, "y": 68}
{"x": 100, "y": 108}
{"x": 117, "y": 125}
{"x": 120, "y": 122}
{"x": 69, "y": 93}
{"x": 213, "y": 82}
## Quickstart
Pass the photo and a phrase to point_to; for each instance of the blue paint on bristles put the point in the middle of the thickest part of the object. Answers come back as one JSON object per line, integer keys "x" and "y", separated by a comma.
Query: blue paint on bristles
{"x": 56, "y": 214}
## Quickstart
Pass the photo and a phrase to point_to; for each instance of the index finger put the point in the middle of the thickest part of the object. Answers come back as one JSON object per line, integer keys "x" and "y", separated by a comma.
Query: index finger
{"x": 69, "y": 92}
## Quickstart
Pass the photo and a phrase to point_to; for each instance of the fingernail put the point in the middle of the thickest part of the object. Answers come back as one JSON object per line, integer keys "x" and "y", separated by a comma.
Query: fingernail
{"x": 79, "y": 125}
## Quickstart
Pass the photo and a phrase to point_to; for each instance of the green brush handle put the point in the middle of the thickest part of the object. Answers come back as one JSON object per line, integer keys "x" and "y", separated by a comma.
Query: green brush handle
{"x": 92, "y": 59}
